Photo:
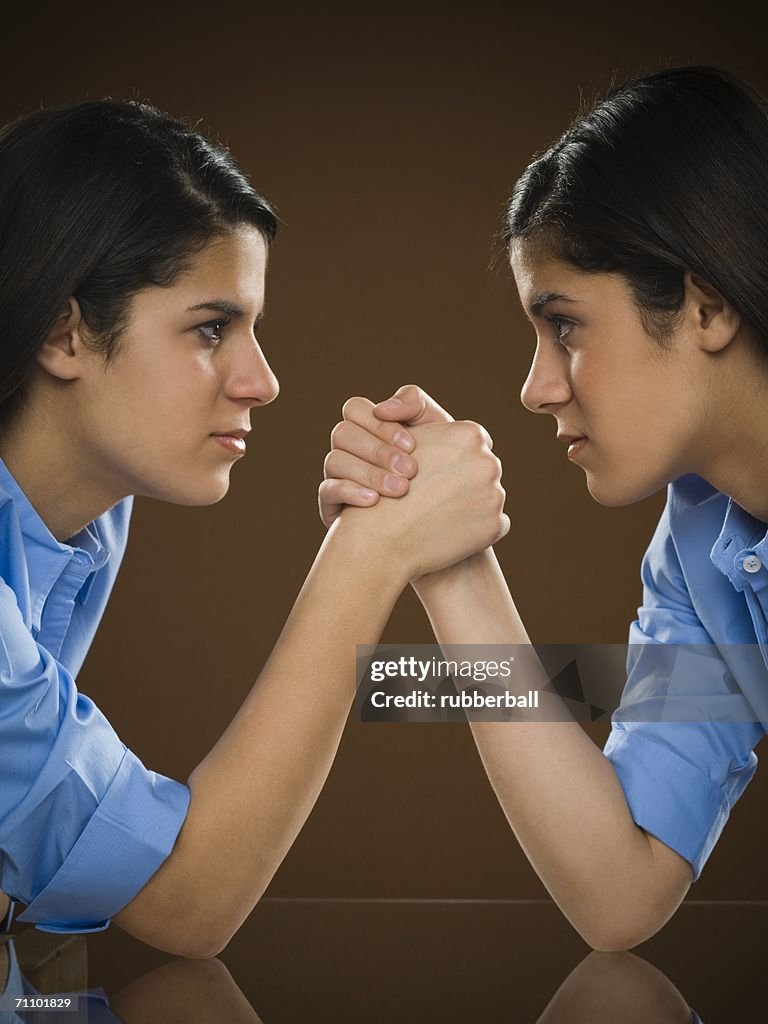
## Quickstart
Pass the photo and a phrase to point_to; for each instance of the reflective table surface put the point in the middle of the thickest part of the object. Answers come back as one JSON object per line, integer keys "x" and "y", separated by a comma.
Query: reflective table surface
{"x": 410, "y": 960}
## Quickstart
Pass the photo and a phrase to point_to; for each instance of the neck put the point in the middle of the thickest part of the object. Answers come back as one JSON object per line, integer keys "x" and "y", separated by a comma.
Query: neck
{"x": 734, "y": 446}
{"x": 751, "y": 492}
{"x": 58, "y": 473}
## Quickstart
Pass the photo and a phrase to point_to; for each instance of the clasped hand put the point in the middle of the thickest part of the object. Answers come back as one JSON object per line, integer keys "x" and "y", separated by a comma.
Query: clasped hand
{"x": 409, "y": 447}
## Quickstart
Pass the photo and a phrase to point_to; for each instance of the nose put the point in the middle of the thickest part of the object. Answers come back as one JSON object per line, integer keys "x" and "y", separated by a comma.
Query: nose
{"x": 251, "y": 377}
{"x": 547, "y": 384}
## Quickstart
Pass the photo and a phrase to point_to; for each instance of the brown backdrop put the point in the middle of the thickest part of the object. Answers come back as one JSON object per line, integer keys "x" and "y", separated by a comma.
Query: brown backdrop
{"x": 388, "y": 142}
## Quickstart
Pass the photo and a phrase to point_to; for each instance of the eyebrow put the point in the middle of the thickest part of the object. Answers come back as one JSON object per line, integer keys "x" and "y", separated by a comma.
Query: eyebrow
{"x": 544, "y": 298}
{"x": 225, "y": 306}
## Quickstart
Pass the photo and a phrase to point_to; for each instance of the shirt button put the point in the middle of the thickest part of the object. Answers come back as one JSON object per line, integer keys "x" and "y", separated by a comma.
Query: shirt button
{"x": 752, "y": 564}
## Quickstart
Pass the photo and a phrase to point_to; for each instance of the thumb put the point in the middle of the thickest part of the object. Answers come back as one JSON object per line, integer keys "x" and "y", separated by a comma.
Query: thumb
{"x": 411, "y": 405}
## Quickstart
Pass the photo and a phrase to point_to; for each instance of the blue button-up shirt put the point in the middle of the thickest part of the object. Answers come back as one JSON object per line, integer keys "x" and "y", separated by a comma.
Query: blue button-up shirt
{"x": 705, "y": 584}
{"x": 83, "y": 824}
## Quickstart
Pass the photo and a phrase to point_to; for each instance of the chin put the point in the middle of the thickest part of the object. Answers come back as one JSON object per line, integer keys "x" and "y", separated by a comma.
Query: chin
{"x": 212, "y": 494}
{"x": 203, "y": 492}
{"x": 617, "y": 493}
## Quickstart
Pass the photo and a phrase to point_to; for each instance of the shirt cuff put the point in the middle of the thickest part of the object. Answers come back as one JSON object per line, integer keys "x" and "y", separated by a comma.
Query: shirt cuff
{"x": 129, "y": 836}
{"x": 668, "y": 796}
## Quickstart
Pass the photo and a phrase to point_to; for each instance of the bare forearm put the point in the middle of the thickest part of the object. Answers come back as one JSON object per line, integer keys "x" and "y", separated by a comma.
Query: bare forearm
{"x": 254, "y": 790}
{"x": 252, "y": 793}
{"x": 558, "y": 791}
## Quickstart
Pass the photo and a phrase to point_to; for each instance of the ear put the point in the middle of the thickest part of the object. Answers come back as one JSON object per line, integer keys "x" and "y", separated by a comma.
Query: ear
{"x": 713, "y": 317}
{"x": 61, "y": 352}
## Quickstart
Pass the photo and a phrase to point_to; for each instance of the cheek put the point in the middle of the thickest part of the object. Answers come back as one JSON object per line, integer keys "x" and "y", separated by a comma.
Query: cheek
{"x": 619, "y": 390}
{"x": 171, "y": 388}
{"x": 652, "y": 431}
{"x": 598, "y": 386}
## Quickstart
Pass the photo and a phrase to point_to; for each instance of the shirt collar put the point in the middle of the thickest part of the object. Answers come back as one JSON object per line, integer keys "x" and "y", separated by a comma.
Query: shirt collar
{"x": 47, "y": 558}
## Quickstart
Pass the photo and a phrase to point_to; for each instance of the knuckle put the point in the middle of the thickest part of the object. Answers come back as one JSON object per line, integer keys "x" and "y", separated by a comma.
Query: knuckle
{"x": 324, "y": 495}
{"x": 382, "y": 453}
{"x": 327, "y": 461}
{"x": 490, "y": 471}
{"x": 463, "y": 430}
{"x": 474, "y": 433}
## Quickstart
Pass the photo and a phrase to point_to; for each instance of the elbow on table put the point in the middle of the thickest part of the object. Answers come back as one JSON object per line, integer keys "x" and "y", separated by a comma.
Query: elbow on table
{"x": 620, "y": 926}
{"x": 618, "y": 918}
{"x": 199, "y": 947}
{"x": 193, "y": 941}
{"x": 618, "y": 936}
{"x": 193, "y": 929}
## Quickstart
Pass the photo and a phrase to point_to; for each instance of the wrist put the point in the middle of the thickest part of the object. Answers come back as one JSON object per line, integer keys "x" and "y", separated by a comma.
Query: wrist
{"x": 459, "y": 580}
{"x": 350, "y": 535}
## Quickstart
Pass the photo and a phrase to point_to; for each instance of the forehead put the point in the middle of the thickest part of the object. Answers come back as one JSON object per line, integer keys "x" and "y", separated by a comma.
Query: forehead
{"x": 234, "y": 264}
{"x": 541, "y": 277}
{"x": 229, "y": 269}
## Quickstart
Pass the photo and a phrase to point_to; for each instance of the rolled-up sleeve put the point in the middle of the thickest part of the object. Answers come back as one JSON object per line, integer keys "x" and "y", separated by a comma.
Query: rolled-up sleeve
{"x": 83, "y": 824}
{"x": 682, "y": 738}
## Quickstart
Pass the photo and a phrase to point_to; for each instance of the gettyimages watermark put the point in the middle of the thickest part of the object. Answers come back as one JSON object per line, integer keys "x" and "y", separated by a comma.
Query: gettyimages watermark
{"x": 635, "y": 682}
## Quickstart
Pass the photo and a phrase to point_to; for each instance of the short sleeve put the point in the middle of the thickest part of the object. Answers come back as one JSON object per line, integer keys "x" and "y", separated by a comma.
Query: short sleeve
{"x": 683, "y": 735}
{"x": 83, "y": 824}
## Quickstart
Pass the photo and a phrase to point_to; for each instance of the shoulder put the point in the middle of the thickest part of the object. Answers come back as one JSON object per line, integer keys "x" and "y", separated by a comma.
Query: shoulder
{"x": 14, "y": 577}
{"x": 19, "y": 656}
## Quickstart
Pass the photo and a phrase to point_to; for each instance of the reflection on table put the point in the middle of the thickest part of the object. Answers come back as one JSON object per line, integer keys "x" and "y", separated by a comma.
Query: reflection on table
{"x": 341, "y": 960}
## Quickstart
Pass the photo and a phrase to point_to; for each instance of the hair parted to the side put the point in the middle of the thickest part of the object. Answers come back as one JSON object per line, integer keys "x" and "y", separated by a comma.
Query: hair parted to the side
{"x": 667, "y": 173}
{"x": 98, "y": 200}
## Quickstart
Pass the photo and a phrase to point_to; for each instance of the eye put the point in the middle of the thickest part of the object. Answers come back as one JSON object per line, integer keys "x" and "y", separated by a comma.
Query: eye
{"x": 562, "y": 327}
{"x": 212, "y": 331}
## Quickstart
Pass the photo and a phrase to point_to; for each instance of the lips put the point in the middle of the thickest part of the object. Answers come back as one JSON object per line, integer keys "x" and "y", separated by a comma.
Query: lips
{"x": 238, "y": 432}
{"x": 231, "y": 443}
